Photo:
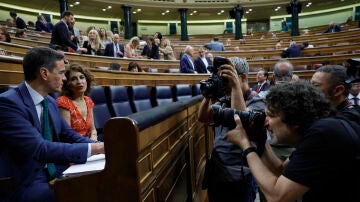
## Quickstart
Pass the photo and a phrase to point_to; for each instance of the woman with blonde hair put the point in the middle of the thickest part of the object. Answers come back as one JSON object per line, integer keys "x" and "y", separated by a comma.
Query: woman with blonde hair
{"x": 131, "y": 47}
{"x": 167, "y": 50}
{"x": 93, "y": 44}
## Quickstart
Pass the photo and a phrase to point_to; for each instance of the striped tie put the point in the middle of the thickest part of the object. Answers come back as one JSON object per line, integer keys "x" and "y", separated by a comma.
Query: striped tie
{"x": 47, "y": 135}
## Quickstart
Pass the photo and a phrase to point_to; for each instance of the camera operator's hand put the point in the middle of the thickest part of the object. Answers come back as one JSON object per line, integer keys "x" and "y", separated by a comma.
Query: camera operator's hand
{"x": 229, "y": 72}
{"x": 238, "y": 135}
{"x": 235, "y": 85}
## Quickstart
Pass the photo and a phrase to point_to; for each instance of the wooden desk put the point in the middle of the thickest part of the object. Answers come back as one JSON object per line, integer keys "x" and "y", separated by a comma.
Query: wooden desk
{"x": 156, "y": 161}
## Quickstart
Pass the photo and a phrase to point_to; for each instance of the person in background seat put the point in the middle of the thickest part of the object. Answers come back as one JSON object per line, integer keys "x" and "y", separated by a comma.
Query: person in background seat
{"x": 262, "y": 84}
{"x": 114, "y": 49}
{"x": 354, "y": 96}
{"x": 333, "y": 28}
{"x": 202, "y": 62}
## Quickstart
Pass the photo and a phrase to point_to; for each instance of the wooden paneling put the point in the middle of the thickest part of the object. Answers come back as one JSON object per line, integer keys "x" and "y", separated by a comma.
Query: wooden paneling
{"x": 152, "y": 164}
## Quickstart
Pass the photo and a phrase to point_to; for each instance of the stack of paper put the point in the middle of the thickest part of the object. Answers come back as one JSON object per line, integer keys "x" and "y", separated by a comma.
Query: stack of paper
{"x": 93, "y": 163}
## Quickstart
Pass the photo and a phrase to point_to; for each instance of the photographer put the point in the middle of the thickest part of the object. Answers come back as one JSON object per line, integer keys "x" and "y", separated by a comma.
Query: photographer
{"x": 226, "y": 177}
{"x": 322, "y": 168}
{"x": 331, "y": 80}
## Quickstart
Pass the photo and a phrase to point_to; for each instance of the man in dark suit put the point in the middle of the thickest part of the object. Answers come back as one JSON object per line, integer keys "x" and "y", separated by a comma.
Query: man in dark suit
{"x": 186, "y": 63}
{"x": 25, "y": 155}
{"x": 294, "y": 50}
{"x": 114, "y": 49}
{"x": 202, "y": 62}
{"x": 151, "y": 50}
{"x": 60, "y": 33}
{"x": 41, "y": 24}
{"x": 20, "y": 23}
{"x": 333, "y": 28}
{"x": 262, "y": 84}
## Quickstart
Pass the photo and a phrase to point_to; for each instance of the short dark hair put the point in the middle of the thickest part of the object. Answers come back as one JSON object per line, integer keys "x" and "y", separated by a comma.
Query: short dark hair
{"x": 298, "y": 103}
{"x": 114, "y": 66}
{"x": 19, "y": 33}
{"x": 337, "y": 75}
{"x": 13, "y": 13}
{"x": 306, "y": 43}
{"x": 77, "y": 68}
{"x": 66, "y": 13}
{"x": 38, "y": 57}
{"x": 159, "y": 35}
{"x": 133, "y": 65}
{"x": 266, "y": 74}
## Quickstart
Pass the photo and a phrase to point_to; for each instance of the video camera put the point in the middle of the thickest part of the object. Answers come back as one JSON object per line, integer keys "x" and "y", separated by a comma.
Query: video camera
{"x": 213, "y": 87}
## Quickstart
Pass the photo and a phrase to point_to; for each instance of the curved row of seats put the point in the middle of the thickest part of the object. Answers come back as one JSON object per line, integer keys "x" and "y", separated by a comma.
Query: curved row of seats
{"x": 115, "y": 101}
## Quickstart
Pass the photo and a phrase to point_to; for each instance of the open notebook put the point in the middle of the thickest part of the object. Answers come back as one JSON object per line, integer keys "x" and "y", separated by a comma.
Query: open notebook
{"x": 93, "y": 163}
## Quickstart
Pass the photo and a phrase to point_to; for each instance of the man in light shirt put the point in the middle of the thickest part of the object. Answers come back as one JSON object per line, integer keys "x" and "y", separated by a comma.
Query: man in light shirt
{"x": 354, "y": 95}
{"x": 202, "y": 62}
{"x": 114, "y": 49}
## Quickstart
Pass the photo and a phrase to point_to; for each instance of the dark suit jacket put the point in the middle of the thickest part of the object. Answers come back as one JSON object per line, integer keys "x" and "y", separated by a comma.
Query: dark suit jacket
{"x": 200, "y": 66}
{"x": 109, "y": 49}
{"x": 293, "y": 51}
{"x": 20, "y": 23}
{"x": 39, "y": 26}
{"x": 336, "y": 28}
{"x": 60, "y": 36}
{"x": 23, "y": 150}
{"x": 151, "y": 53}
{"x": 185, "y": 65}
{"x": 264, "y": 87}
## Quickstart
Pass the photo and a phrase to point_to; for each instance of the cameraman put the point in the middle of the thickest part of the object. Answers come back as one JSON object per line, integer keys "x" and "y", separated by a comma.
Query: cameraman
{"x": 331, "y": 80}
{"x": 324, "y": 160}
{"x": 226, "y": 177}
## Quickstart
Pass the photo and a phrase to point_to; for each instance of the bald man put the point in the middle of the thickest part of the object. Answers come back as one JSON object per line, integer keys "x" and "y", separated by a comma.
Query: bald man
{"x": 114, "y": 49}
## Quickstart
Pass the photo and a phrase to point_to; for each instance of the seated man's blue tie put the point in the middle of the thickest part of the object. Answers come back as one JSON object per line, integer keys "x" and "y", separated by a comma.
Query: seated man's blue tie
{"x": 47, "y": 134}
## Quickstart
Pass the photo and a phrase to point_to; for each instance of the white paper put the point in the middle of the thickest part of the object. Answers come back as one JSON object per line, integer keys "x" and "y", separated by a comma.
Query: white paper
{"x": 93, "y": 163}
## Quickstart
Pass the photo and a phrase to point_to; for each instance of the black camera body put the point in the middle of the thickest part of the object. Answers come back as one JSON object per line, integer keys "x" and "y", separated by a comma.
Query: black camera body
{"x": 252, "y": 121}
{"x": 213, "y": 86}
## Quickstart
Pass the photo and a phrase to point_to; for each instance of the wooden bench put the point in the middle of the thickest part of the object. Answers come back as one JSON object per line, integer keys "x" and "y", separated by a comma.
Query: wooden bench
{"x": 309, "y": 52}
{"x": 11, "y": 73}
{"x": 164, "y": 65}
{"x": 155, "y": 155}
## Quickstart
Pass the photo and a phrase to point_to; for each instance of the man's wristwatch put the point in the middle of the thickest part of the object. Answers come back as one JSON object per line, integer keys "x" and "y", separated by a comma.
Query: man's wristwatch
{"x": 248, "y": 151}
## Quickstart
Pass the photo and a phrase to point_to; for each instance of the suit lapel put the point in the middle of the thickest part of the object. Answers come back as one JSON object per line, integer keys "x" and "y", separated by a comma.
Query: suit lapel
{"x": 24, "y": 93}
{"x": 54, "y": 121}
